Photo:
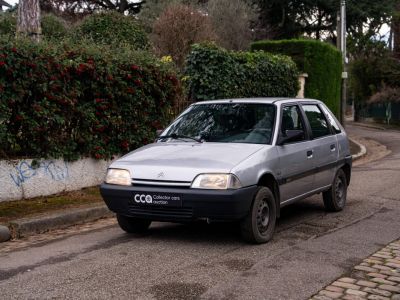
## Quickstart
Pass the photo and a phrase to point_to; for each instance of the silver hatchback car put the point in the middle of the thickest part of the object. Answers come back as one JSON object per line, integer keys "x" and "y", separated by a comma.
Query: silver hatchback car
{"x": 233, "y": 160}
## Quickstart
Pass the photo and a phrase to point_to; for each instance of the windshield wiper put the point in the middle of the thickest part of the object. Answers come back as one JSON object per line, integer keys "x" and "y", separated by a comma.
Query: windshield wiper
{"x": 178, "y": 137}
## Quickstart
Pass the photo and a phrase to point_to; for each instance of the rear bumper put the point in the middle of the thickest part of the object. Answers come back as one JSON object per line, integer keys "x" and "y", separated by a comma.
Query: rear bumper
{"x": 195, "y": 204}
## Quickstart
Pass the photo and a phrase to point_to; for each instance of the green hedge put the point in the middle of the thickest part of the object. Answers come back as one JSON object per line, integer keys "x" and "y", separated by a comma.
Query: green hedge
{"x": 321, "y": 61}
{"x": 215, "y": 73}
{"x": 73, "y": 102}
{"x": 112, "y": 28}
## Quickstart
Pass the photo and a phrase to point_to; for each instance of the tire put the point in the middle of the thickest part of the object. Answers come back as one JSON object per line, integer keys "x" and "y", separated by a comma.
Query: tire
{"x": 259, "y": 225}
{"x": 133, "y": 225}
{"x": 335, "y": 198}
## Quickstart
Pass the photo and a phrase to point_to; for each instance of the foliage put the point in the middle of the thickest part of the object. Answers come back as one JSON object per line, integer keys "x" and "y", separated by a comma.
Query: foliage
{"x": 317, "y": 18}
{"x": 52, "y": 26}
{"x": 369, "y": 74}
{"x": 75, "y": 101}
{"x": 215, "y": 73}
{"x": 232, "y": 20}
{"x": 114, "y": 29}
{"x": 8, "y": 23}
{"x": 322, "y": 63}
{"x": 72, "y": 9}
{"x": 177, "y": 28}
{"x": 386, "y": 94}
{"x": 152, "y": 9}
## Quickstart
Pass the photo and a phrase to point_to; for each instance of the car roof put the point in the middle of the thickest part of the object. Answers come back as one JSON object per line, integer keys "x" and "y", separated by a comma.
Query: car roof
{"x": 267, "y": 100}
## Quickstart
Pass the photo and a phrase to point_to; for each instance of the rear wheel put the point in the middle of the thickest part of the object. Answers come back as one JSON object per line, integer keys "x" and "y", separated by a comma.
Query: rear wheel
{"x": 335, "y": 198}
{"x": 259, "y": 225}
{"x": 133, "y": 225}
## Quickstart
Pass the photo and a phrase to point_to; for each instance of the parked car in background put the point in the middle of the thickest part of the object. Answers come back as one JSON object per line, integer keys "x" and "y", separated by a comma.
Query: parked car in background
{"x": 233, "y": 160}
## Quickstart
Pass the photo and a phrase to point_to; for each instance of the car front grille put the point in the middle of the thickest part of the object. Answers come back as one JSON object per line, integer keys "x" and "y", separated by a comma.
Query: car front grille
{"x": 161, "y": 213}
{"x": 161, "y": 183}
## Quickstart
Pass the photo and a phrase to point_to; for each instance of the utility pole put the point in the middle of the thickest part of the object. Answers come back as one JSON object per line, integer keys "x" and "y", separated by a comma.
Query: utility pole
{"x": 28, "y": 24}
{"x": 341, "y": 44}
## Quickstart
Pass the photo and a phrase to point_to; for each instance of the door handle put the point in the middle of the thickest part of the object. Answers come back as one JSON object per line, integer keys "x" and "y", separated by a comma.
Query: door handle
{"x": 333, "y": 147}
{"x": 310, "y": 153}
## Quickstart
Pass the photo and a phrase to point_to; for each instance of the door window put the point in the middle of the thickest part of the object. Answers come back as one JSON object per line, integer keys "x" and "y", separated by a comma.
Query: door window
{"x": 291, "y": 120}
{"x": 332, "y": 120}
{"x": 317, "y": 120}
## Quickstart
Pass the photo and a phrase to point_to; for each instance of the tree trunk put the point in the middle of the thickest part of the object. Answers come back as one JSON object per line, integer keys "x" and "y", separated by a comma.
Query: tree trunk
{"x": 28, "y": 24}
{"x": 396, "y": 32}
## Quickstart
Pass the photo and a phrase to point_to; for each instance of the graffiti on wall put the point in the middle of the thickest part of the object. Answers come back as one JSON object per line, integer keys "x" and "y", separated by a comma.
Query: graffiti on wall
{"x": 24, "y": 171}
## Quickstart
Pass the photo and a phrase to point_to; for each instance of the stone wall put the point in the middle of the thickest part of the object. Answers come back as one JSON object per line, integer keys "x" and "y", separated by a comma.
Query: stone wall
{"x": 27, "y": 178}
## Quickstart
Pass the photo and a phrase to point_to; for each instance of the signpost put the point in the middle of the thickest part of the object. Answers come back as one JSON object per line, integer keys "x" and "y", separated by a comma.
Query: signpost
{"x": 341, "y": 44}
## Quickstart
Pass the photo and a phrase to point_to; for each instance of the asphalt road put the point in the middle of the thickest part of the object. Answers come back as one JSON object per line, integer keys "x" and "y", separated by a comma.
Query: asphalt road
{"x": 310, "y": 249}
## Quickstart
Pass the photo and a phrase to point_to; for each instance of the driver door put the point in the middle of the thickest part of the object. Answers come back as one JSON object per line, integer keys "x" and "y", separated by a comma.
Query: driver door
{"x": 296, "y": 158}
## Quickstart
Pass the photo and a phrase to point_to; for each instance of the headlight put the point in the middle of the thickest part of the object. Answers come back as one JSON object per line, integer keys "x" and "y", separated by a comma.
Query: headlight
{"x": 216, "y": 182}
{"x": 119, "y": 177}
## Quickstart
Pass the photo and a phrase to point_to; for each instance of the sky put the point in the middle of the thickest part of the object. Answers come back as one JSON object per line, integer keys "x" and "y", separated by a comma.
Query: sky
{"x": 12, "y": 2}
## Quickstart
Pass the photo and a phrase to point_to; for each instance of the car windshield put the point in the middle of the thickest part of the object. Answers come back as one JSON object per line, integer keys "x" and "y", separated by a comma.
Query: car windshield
{"x": 225, "y": 123}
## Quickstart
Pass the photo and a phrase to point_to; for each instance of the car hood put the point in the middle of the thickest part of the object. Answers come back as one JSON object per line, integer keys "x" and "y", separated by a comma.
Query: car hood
{"x": 184, "y": 161}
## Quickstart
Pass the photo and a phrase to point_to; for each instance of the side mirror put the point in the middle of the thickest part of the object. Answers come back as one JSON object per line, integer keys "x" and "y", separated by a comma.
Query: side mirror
{"x": 159, "y": 131}
{"x": 290, "y": 136}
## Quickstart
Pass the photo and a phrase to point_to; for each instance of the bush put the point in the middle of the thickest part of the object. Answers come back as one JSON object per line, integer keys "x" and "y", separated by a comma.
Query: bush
{"x": 232, "y": 20}
{"x": 112, "y": 28}
{"x": 8, "y": 23}
{"x": 52, "y": 26}
{"x": 369, "y": 74}
{"x": 215, "y": 73}
{"x": 71, "y": 101}
{"x": 177, "y": 28}
{"x": 321, "y": 61}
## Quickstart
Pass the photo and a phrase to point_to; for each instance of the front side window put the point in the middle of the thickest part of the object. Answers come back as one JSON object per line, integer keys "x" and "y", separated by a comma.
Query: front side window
{"x": 292, "y": 120}
{"x": 226, "y": 123}
{"x": 317, "y": 120}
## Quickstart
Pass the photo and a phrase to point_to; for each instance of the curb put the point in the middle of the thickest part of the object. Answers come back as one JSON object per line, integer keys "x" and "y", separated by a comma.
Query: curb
{"x": 28, "y": 226}
{"x": 361, "y": 153}
{"x": 366, "y": 125}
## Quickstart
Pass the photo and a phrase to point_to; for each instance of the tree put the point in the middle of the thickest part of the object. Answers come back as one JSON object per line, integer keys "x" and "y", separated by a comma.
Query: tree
{"x": 152, "y": 9}
{"x": 396, "y": 31}
{"x": 317, "y": 18}
{"x": 4, "y": 3}
{"x": 28, "y": 23}
{"x": 178, "y": 28}
{"x": 79, "y": 8}
{"x": 232, "y": 20}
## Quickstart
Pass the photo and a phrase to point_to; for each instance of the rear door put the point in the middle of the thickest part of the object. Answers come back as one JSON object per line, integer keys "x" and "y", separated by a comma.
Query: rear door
{"x": 296, "y": 158}
{"x": 324, "y": 144}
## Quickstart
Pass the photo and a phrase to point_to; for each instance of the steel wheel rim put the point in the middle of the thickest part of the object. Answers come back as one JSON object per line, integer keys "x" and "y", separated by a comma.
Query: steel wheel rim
{"x": 340, "y": 191}
{"x": 263, "y": 216}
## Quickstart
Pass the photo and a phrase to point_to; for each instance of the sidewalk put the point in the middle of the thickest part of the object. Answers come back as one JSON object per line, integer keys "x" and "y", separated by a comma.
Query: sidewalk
{"x": 377, "y": 278}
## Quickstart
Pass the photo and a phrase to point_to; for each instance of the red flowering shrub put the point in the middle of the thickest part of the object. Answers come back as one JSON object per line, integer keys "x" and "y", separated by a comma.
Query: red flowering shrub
{"x": 75, "y": 102}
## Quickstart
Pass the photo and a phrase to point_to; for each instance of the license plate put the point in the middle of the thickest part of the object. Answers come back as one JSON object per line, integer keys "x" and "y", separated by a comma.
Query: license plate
{"x": 159, "y": 199}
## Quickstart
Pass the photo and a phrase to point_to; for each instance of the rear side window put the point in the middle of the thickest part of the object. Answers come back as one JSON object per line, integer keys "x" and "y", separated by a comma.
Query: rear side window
{"x": 317, "y": 120}
{"x": 332, "y": 120}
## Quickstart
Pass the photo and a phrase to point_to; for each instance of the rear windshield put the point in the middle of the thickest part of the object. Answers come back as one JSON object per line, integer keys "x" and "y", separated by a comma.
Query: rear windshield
{"x": 226, "y": 123}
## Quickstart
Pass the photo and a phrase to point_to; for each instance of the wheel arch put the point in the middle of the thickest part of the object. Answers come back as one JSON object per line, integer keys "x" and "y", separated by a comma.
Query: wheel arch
{"x": 347, "y": 171}
{"x": 268, "y": 180}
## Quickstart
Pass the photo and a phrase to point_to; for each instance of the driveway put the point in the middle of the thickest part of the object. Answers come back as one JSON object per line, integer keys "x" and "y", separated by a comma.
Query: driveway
{"x": 310, "y": 249}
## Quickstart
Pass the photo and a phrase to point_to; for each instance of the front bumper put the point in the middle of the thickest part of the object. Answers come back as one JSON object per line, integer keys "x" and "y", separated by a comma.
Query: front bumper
{"x": 194, "y": 203}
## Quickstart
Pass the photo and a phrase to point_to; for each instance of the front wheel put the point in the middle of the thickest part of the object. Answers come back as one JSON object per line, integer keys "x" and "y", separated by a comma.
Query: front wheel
{"x": 335, "y": 198}
{"x": 133, "y": 225}
{"x": 259, "y": 225}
